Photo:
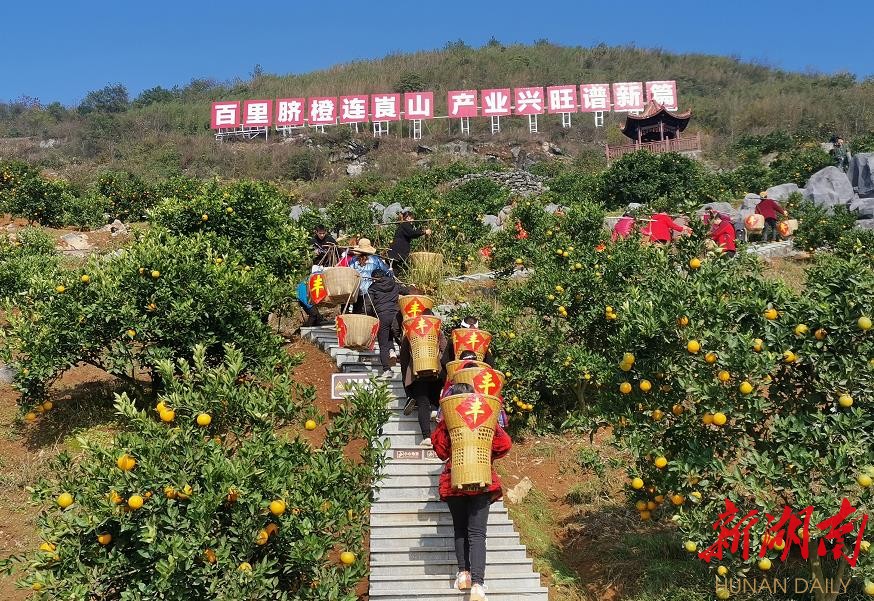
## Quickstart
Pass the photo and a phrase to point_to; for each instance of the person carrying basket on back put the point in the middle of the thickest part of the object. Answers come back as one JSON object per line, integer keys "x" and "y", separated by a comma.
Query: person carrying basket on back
{"x": 469, "y": 507}
{"x": 406, "y": 232}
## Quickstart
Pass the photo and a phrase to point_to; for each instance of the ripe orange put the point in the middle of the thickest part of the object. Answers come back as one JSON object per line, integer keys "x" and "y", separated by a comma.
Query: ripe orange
{"x": 168, "y": 415}
{"x": 131, "y": 333}
{"x": 271, "y": 529}
{"x": 277, "y": 507}
{"x": 845, "y": 401}
{"x": 723, "y": 376}
{"x": 204, "y": 217}
{"x": 661, "y": 462}
{"x": 820, "y": 334}
{"x": 104, "y": 539}
{"x": 126, "y": 463}
{"x": 719, "y": 418}
{"x": 678, "y": 500}
{"x": 801, "y": 329}
{"x": 722, "y": 592}
{"x": 204, "y": 419}
{"x": 657, "y": 415}
{"x": 625, "y": 388}
{"x": 65, "y": 500}
{"x": 60, "y": 288}
{"x": 758, "y": 345}
{"x": 690, "y": 546}
{"x": 155, "y": 274}
{"x": 637, "y": 484}
{"x": 765, "y": 564}
{"x": 135, "y": 502}
{"x": 262, "y": 538}
{"x": 693, "y": 346}
{"x": 645, "y": 516}
{"x": 347, "y": 558}
{"x": 722, "y": 570}
{"x": 710, "y": 357}
{"x": 30, "y": 416}
{"x": 310, "y": 424}
{"x": 645, "y": 385}
{"x": 47, "y": 406}
{"x": 864, "y": 480}
{"x": 169, "y": 492}
{"x": 47, "y": 547}
{"x": 771, "y": 314}
{"x": 695, "y": 263}
{"x": 789, "y": 356}
{"x": 707, "y": 419}
{"x": 115, "y": 498}
{"x": 864, "y": 323}
{"x": 640, "y": 505}
{"x": 209, "y": 556}
{"x": 677, "y": 410}
{"x": 683, "y": 321}
{"x": 651, "y": 505}
{"x": 245, "y": 567}
{"x": 745, "y": 387}
{"x": 85, "y": 278}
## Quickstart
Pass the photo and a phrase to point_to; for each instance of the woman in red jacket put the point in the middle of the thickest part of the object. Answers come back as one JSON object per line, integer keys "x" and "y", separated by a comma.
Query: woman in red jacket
{"x": 723, "y": 233}
{"x": 469, "y": 508}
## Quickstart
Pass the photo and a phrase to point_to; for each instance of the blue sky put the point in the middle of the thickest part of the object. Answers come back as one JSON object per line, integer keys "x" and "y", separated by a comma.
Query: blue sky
{"x": 55, "y": 50}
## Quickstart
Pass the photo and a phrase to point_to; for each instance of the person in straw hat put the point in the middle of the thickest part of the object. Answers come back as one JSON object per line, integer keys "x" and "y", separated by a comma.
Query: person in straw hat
{"x": 469, "y": 508}
{"x": 365, "y": 263}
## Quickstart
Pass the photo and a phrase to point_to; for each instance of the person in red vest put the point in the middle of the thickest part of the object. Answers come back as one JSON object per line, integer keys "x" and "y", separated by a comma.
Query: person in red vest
{"x": 623, "y": 227}
{"x": 469, "y": 508}
{"x": 659, "y": 229}
{"x": 723, "y": 233}
{"x": 769, "y": 208}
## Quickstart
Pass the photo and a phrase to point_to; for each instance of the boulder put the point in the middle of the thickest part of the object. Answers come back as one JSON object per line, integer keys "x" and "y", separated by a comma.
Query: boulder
{"x": 861, "y": 173}
{"x": 76, "y": 244}
{"x": 552, "y": 148}
{"x": 750, "y": 201}
{"x": 865, "y": 224}
{"x": 458, "y": 147}
{"x": 864, "y": 207}
{"x": 634, "y": 206}
{"x": 377, "y": 208}
{"x": 828, "y": 188}
{"x": 719, "y": 207}
{"x": 7, "y": 375}
{"x": 422, "y": 149}
{"x": 492, "y": 222}
{"x": 553, "y": 208}
{"x": 782, "y": 191}
{"x": 391, "y": 212}
{"x": 354, "y": 169}
{"x": 116, "y": 228}
{"x": 296, "y": 212}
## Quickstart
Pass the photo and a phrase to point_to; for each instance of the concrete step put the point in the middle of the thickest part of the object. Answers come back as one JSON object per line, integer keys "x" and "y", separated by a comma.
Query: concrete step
{"x": 430, "y": 554}
{"x": 423, "y": 520}
{"x": 510, "y": 592}
{"x": 412, "y": 569}
{"x": 427, "y": 541}
{"x": 408, "y": 481}
{"x": 395, "y": 468}
{"x": 399, "y": 423}
{"x": 439, "y": 582}
{"x": 408, "y": 494}
{"x": 418, "y": 507}
{"x": 433, "y": 529}
{"x": 404, "y": 441}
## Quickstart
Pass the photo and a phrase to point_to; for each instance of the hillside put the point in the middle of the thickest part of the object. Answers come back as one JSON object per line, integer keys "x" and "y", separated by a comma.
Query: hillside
{"x": 165, "y": 132}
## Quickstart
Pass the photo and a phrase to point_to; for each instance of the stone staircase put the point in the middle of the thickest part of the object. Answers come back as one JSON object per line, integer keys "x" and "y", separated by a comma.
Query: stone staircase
{"x": 412, "y": 554}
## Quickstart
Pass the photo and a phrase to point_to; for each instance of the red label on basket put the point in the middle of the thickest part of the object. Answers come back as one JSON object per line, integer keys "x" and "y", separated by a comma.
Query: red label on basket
{"x": 316, "y": 288}
{"x": 421, "y": 327}
{"x": 373, "y": 332}
{"x": 474, "y": 411}
{"x": 341, "y": 331}
{"x": 469, "y": 341}
{"x": 414, "y": 308}
{"x": 487, "y": 381}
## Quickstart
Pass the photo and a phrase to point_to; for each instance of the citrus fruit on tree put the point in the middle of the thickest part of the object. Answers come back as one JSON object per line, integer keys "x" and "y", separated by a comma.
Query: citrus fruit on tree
{"x": 104, "y": 538}
{"x": 690, "y": 546}
{"x": 637, "y": 484}
{"x": 719, "y": 419}
{"x": 126, "y": 463}
{"x": 693, "y": 346}
{"x": 625, "y": 388}
{"x": 347, "y": 558}
{"x": 695, "y": 263}
{"x": 764, "y": 564}
{"x": 135, "y": 502}
{"x": 645, "y": 385}
{"x": 745, "y": 387}
{"x": 310, "y": 424}
{"x": 661, "y": 462}
{"x": 65, "y": 500}
{"x": 277, "y": 507}
{"x": 845, "y": 401}
{"x": 204, "y": 419}
{"x": 864, "y": 323}
{"x": 724, "y": 376}
{"x": 771, "y": 314}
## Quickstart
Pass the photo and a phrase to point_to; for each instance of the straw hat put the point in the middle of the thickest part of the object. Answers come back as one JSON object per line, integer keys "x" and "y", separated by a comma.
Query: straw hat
{"x": 364, "y": 247}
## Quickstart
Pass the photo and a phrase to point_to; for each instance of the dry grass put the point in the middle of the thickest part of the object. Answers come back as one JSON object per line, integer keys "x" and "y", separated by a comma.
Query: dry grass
{"x": 791, "y": 271}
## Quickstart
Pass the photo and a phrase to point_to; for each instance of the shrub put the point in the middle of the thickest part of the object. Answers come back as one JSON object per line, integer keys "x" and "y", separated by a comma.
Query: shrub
{"x": 664, "y": 182}
{"x": 32, "y": 254}
{"x": 799, "y": 164}
{"x": 246, "y": 217}
{"x": 751, "y": 177}
{"x": 130, "y": 196}
{"x": 817, "y": 228}
{"x": 87, "y": 210}
{"x": 124, "y": 313}
{"x": 196, "y": 515}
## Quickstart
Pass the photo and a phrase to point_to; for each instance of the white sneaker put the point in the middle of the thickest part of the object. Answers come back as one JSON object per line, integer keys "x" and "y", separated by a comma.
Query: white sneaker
{"x": 392, "y": 354}
{"x": 387, "y": 375}
{"x": 477, "y": 593}
{"x": 462, "y": 581}
{"x": 433, "y": 415}
{"x": 426, "y": 442}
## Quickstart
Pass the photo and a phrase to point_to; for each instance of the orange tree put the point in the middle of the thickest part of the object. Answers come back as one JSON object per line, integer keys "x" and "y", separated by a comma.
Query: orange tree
{"x": 250, "y": 218}
{"x": 719, "y": 382}
{"x": 151, "y": 301}
{"x": 31, "y": 253}
{"x": 217, "y": 492}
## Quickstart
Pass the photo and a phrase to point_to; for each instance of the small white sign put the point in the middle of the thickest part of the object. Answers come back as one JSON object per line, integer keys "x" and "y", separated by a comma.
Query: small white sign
{"x": 342, "y": 385}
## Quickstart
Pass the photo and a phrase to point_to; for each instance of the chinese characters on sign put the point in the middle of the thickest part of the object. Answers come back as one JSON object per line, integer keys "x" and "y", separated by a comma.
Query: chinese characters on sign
{"x": 789, "y": 529}
{"x": 460, "y": 104}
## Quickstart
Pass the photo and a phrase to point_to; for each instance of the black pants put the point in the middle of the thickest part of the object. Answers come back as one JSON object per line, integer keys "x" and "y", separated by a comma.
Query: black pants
{"x": 385, "y": 336}
{"x": 427, "y": 395}
{"x": 313, "y": 316}
{"x": 470, "y": 517}
{"x": 770, "y": 231}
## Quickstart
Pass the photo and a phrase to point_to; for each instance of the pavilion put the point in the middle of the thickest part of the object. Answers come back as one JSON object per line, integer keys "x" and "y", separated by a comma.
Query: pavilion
{"x": 657, "y": 130}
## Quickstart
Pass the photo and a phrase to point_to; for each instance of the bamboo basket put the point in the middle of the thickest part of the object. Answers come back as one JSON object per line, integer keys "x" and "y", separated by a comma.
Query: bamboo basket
{"x": 454, "y": 366}
{"x": 485, "y": 381}
{"x": 787, "y": 227}
{"x": 469, "y": 339}
{"x": 357, "y": 331}
{"x": 426, "y": 260}
{"x": 471, "y": 420}
{"x": 412, "y": 305}
{"x": 423, "y": 333}
{"x": 341, "y": 284}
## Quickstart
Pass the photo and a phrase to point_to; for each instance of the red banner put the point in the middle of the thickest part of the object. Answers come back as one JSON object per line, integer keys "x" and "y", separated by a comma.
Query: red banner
{"x": 462, "y": 103}
{"x": 529, "y": 101}
{"x": 290, "y": 112}
{"x": 316, "y": 288}
{"x": 385, "y": 107}
{"x": 353, "y": 109}
{"x": 225, "y": 114}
